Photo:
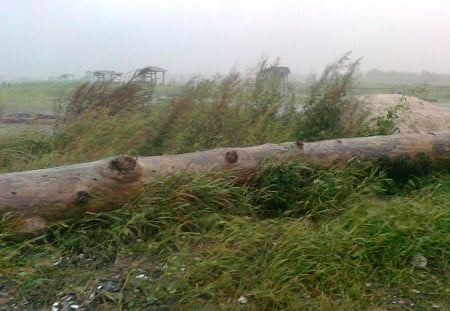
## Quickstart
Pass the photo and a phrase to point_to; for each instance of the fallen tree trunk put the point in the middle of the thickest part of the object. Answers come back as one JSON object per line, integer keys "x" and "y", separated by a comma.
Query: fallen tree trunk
{"x": 39, "y": 197}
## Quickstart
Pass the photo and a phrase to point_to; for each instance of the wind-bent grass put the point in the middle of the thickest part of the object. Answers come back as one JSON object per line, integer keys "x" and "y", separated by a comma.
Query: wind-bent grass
{"x": 203, "y": 241}
{"x": 292, "y": 238}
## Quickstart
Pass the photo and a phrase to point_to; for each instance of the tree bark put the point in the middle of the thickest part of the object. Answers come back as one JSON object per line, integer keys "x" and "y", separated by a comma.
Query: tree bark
{"x": 39, "y": 197}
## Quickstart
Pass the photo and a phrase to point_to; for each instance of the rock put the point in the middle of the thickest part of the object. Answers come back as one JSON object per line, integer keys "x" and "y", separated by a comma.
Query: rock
{"x": 419, "y": 261}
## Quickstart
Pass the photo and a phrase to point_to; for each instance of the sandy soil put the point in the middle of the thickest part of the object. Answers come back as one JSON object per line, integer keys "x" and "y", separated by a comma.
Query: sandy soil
{"x": 415, "y": 115}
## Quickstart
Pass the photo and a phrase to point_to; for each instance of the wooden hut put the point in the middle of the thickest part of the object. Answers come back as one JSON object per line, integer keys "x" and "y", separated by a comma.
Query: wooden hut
{"x": 278, "y": 74}
{"x": 150, "y": 74}
{"x": 104, "y": 75}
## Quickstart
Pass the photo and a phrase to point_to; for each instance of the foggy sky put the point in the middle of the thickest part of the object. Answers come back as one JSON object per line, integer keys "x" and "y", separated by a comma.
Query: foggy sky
{"x": 42, "y": 38}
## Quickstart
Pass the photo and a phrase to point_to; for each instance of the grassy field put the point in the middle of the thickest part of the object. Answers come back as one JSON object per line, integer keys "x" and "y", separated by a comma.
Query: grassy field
{"x": 47, "y": 96}
{"x": 292, "y": 238}
{"x": 34, "y": 97}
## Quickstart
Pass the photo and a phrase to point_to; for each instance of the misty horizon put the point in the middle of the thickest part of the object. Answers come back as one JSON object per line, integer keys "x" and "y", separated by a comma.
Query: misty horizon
{"x": 49, "y": 38}
{"x": 370, "y": 76}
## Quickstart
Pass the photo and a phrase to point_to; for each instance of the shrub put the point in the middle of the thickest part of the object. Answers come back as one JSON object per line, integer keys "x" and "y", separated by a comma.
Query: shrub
{"x": 109, "y": 97}
{"x": 328, "y": 100}
{"x": 295, "y": 189}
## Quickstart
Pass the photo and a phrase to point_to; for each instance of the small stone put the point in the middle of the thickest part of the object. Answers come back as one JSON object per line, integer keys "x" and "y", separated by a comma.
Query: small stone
{"x": 419, "y": 261}
{"x": 243, "y": 300}
{"x": 368, "y": 284}
{"x": 74, "y": 306}
{"x": 416, "y": 291}
{"x": 435, "y": 306}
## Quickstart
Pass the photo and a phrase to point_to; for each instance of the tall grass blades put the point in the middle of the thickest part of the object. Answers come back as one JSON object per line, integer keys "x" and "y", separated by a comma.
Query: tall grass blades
{"x": 291, "y": 238}
{"x": 329, "y": 99}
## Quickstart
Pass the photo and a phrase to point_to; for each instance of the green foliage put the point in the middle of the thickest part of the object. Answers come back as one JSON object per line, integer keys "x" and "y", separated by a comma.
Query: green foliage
{"x": 327, "y": 101}
{"x": 107, "y": 118}
{"x": 228, "y": 111}
{"x": 293, "y": 237}
{"x": 108, "y": 97}
{"x": 420, "y": 91}
{"x": 203, "y": 241}
{"x": 296, "y": 190}
{"x": 23, "y": 148}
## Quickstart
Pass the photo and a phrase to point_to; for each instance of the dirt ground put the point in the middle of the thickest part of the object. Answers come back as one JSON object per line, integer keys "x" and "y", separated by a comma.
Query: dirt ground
{"x": 413, "y": 116}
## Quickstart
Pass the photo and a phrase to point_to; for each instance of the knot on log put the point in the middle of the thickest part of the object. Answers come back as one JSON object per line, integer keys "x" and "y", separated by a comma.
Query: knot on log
{"x": 124, "y": 169}
{"x": 123, "y": 164}
{"x": 82, "y": 197}
{"x": 231, "y": 156}
{"x": 299, "y": 144}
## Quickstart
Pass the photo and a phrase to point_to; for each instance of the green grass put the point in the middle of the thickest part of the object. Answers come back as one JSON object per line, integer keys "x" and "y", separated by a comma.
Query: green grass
{"x": 204, "y": 242}
{"x": 292, "y": 238}
{"x": 34, "y": 97}
{"x": 46, "y": 96}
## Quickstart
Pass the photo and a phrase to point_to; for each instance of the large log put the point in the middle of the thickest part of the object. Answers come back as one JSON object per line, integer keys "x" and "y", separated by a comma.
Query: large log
{"x": 39, "y": 197}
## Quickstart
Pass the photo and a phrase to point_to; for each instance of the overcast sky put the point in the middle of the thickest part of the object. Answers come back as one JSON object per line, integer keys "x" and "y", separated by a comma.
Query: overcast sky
{"x": 42, "y": 38}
